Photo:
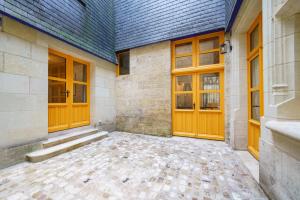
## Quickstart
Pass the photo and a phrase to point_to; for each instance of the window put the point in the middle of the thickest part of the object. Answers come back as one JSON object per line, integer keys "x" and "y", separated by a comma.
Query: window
{"x": 124, "y": 63}
{"x": 210, "y": 91}
{"x": 209, "y": 51}
{"x": 184, "y": 92}
{"x": 198, "y": 51}
{"x": 183, "y": 55}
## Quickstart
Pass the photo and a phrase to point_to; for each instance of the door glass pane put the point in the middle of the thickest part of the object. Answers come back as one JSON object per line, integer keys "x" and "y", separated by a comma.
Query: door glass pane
{"x": 79, "y": 95}
{"x": 80, "y": 72}
{"x": 209, "y": 58}
{"x": 56, "y": 66}
{"x": 254, "y": 72}
{"x": 210, "y": 81}
{"x": 56, "y": 91}
{"x": 184, "y": 83}
{"x": 255, "y": 106}
{"x": 209, "y": 44}
{"x": 184, "y": 101}
{"x": 183, "y": 48}
{"x": 183, "y": 62}
{"x": 254, "y": 38}
{"x": 210, "y": 101}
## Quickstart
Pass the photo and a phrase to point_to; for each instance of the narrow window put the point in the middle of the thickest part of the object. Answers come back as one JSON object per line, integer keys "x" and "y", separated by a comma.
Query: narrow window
{"x": 124, "y": 63}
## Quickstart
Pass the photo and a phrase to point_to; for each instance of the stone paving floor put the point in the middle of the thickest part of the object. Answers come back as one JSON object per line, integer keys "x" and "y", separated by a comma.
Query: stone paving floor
{"x": 130, "y": 166}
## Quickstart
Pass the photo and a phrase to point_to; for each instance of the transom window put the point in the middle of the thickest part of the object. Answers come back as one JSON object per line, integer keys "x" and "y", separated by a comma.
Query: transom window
{"x": 209, "y": 51}
{"x": 197, "y": 51}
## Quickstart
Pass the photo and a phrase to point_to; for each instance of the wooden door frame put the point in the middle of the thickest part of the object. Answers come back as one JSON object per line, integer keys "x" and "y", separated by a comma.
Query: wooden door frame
{"x": 195, "y": 70}
{"x": 69, "y": 86}
{"x": 251, "y": 55}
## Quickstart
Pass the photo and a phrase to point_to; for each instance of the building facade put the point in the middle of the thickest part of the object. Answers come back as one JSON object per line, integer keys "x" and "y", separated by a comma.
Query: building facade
{"x": 222, "y": 69}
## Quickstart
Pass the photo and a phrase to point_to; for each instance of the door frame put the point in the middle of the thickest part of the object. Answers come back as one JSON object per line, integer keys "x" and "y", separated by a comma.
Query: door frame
{"x": 251, "y": 55}
{"x": 69, "y": 86}
{"x": 195, "y": 70}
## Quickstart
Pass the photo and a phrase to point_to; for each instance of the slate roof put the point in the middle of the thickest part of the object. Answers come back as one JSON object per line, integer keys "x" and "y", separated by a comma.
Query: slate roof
{"x": 89, "y": 27}
{"x": 231, "y": 9}
{"x": 102, "y": 27}
{"x": 148, "y": 21}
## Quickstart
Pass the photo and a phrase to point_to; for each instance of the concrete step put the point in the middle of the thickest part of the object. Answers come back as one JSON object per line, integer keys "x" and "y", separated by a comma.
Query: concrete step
{"x": 68, "y": 137}
{"x": 50, "y": 152}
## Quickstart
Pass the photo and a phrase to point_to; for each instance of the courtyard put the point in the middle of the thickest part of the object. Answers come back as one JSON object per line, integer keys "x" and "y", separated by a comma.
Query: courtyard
{"x": 132, "y": 166}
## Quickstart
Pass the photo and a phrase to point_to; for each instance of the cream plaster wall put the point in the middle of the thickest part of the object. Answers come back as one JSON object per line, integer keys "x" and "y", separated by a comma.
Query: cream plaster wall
{"x": 24, "y": 89}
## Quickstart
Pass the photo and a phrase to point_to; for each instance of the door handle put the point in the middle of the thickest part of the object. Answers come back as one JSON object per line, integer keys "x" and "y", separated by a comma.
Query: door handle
{"x": 194, "y": 105}
{"x": 67, "y": 92}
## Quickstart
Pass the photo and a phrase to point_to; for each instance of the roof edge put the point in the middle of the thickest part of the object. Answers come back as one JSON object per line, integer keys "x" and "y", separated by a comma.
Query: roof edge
{"x": 233, "y": 15}
{"x": 56, "y": 37}
{"x": 171, "y": 39}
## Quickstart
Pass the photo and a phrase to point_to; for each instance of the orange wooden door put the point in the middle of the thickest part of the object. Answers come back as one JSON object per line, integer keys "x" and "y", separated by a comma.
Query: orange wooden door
{"x": 198, "y": 105}
{"x": 210, "y": 104}
{"x": 255, "y": 85}
{"x": 184, "y": 106}
{"x": 68, "y": 92}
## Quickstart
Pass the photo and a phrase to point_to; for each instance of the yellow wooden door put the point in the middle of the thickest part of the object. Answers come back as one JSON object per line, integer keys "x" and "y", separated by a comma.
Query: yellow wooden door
{"x": 68, "y": 92}
{"x": 255, "y": 85}
{"x": 198, "y": 105}
{"x": 80, "y": 108}
{"x": 184, "y": 112}
{"x": 210, "y": 104}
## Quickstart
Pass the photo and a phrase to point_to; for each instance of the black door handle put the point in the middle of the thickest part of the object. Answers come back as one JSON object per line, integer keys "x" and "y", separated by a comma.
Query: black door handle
{"x": 67, "y": 93}
{"x": 194, "y": 105}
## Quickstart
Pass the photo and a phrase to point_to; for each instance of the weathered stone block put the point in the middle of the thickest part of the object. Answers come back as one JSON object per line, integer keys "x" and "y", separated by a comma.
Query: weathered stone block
{"x": 24, "y": 66}
{"x": 15, "y": 28}
{"x": 14, "y": 45}
{"x": 10, "y": 83}
{"x": 13, "y": 155}
{"x": 144, "y": 97}
{"x": 38, "y": 85}
{"x": 39, "y": 53}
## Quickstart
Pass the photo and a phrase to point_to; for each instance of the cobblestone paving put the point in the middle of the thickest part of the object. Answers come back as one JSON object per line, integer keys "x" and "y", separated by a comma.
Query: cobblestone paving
{"x": 129, "y": 166}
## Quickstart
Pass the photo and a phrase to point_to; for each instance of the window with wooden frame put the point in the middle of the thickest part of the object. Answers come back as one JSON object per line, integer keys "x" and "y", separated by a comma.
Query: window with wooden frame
{"x": 197, "y": 52}
{"x": 123, "y": 67}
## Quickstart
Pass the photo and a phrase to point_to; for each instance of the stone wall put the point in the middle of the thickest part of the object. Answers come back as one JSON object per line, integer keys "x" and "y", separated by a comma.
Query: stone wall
{"x": 279, "y": 154}
{"x": 236, "y": 94}
{"x": 144, "y": 97}
{"x": 24, "y": 89}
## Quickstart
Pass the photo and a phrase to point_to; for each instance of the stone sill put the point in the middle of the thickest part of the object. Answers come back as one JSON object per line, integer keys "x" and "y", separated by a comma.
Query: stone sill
{"x": 288, "y": 128}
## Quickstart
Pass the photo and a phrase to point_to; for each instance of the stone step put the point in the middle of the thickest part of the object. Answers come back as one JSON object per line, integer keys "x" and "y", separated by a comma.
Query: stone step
{"x": 50, "y": 152}
{"x": 68, "y": 137}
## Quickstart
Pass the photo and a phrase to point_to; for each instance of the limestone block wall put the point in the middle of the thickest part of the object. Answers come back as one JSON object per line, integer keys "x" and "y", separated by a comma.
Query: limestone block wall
{"x": 280, "y": 155}
{"x": 236, "y": 76}
{"x": 24, "y": 89}
{"x": 144, "y": 97}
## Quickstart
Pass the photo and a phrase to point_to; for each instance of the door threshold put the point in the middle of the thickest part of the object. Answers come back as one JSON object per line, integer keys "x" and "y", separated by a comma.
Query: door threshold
{"x": 67, "y": 131}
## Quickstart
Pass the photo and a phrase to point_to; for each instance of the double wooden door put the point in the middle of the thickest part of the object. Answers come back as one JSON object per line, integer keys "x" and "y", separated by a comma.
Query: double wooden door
{"x": 198, "y": 105}
{"x": 68, "y": 92}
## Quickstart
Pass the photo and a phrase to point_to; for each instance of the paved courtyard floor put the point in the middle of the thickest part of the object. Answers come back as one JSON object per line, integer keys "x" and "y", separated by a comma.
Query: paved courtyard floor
{"x": 129, "y": 166}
